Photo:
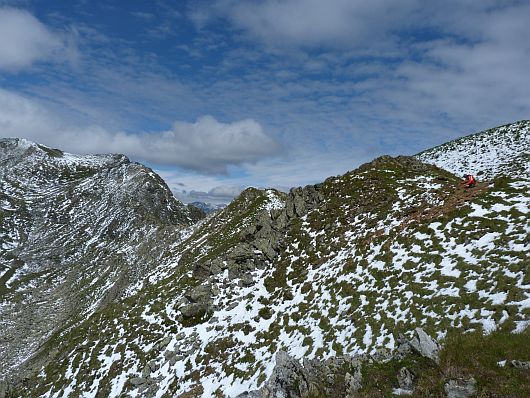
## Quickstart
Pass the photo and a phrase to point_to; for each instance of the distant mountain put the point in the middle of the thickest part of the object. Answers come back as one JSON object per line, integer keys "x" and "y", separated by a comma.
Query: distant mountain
{"x": 208, "y": 207}
{"x": 310, "y": 293}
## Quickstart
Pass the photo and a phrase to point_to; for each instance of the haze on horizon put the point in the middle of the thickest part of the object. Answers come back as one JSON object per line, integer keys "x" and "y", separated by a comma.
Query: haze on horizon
{"x": 216, "y": 96}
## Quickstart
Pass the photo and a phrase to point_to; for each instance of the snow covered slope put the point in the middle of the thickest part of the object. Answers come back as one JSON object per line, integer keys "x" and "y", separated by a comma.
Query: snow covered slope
{"x": 75, "y": 231}
{"x": 338, "y": 268}
{"x": 501, "y": 150}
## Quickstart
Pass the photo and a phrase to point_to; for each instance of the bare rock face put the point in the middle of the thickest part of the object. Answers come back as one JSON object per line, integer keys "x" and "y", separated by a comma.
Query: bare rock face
{"x": 339, "y": 376}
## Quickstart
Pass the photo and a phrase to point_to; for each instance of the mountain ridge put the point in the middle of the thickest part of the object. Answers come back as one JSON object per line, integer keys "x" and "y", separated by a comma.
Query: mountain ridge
{"x": 326, "y": 270}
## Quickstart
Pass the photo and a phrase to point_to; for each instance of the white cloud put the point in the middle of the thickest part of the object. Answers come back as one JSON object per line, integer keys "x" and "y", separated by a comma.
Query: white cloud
{"x": 24, "y": 40}
{"x": 207, "y": 145}
{"x": 310, "y": 23}
{"x": 210, "y": 145}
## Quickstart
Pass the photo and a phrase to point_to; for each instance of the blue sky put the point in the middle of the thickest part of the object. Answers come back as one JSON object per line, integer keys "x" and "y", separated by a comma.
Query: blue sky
{"x": 220, "y": 95}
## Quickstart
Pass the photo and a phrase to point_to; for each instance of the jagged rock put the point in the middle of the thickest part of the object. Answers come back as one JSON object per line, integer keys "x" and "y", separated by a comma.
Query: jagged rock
{"x": 241, "y": 253}
{"x": 163, "y": 343}
{"x": 284, "y": 382}
{"x": 203, "y": 271}
{"x": 520, "y": 364}
{"x": 140, "y": 381}
{"x": 460, "y": 388}
{"x": 424, "y": 345}
{"x": 194, "y": 310}
{"x": 246, "y": 280}
{"x": 176, "y": 358}
{"x": 403, "y": 348}
{"x": 149, "y": 368}
{"x": 353, "y": 381}
{"x": 405, "y": 379}
{"x": 169, "y": 354}
{"x": 250, "y": 394}
{"x": 201, "y": 294}
{"x": 265, "y": 246}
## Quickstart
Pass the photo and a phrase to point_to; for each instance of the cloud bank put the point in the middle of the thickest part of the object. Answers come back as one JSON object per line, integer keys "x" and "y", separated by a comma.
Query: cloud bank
{"x": 207, "y": 145}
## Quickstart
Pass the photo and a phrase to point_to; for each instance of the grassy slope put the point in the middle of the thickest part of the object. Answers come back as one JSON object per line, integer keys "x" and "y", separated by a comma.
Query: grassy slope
{"x": 463, "y": 356}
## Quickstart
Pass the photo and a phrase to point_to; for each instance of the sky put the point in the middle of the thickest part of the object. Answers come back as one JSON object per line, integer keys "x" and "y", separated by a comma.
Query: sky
{"x": 219, "y": 95}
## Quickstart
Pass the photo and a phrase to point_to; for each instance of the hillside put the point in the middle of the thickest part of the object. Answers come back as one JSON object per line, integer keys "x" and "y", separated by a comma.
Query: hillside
{"x": 503, "y": 150}
{"x": 325, "y": 272}
{"x": 75, "y": 232}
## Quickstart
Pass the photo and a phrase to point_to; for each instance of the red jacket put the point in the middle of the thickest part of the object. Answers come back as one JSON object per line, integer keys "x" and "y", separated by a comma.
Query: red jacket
{"x": 471, "y": 180}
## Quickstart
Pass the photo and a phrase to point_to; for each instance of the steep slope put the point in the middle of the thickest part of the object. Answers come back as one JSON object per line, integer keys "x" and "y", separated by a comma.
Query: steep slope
{"x": 75, "y": 232}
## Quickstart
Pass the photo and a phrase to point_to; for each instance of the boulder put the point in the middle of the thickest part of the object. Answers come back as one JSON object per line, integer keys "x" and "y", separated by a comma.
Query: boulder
{"x": 194, "y": 310}
{"x": 285, "y": 381}
{"x": 149, "y": 367}
{"x": 460, "y": 388}
{"x": 426, "y": 346}
{"x": 200, "y": 294}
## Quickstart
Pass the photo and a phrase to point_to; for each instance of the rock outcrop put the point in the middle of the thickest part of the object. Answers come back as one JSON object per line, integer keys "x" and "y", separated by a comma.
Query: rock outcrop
{"x": 343, "y": 376}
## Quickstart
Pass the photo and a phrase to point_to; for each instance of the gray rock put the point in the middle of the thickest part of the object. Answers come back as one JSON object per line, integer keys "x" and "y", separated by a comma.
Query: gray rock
{"x": 203, "y": 271}
{"x": 169, "y": 354}
{"x": 250, "y": 394}
{"x": 265, "y": 245}
{"x": 241, "y": 252}
{"x": 140, "y": 381}
{"x": 460, "y": 388}
{"x": 424, "y": 345}
{"x": 194, "y": 310}
{"x": 353, "y": 381}
{"x": 285, "y": 379}
{"x": 246, "y": 280}
{"x": 382, "y": 355}
{"x": 173, "y": 360}
{"x": 164, "y": 343}
{"x": 520, "y": 364}
{"x": 149, "y": 368}
{"x": 405, "y": 379}
{"x": 200, "y": 294}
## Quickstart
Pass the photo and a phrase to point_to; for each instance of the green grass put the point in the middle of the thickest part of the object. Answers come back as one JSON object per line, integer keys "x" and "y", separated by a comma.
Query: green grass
{"x": 463, "y": 356}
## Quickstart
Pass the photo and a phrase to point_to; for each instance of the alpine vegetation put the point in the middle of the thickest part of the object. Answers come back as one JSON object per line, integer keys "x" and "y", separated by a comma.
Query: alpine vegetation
{"x": 392, "y": 279}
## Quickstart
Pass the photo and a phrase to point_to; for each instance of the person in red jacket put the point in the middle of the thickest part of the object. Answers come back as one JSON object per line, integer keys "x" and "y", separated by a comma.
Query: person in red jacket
{"x": 469, "y": 181}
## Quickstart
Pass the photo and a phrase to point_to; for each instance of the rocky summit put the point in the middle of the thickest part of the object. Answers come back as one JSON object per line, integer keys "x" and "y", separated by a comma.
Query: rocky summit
{"x": 389, "y": 280}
